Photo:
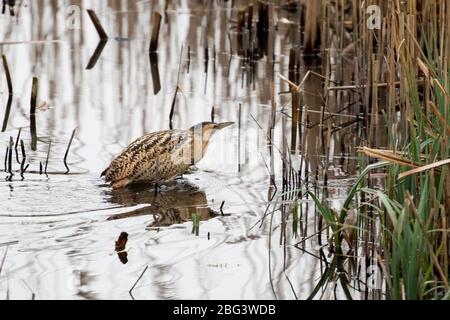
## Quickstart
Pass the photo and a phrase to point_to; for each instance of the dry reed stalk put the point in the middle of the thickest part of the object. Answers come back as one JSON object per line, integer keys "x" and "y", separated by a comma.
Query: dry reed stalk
{"x": 155, "y": 32}
{"x": 312, "y": 19}
{"x": 34, "y": 91}
{"x": 98, "y": 26}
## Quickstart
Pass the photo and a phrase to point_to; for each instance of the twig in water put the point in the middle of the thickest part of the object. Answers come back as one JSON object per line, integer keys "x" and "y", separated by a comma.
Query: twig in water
{"x": 34, "y": 90}
{"x": 6, "y": 159}
{"x": 11, "y": 143}
{"x": 4, "y": 258}
{"x": 33, "y": 295}
{"x": 46, "y": 160}
{"x": 9, "y": 243}
{"x": 67, "y": 151}
{"x": 98, "y": 26}
{"x": 212, "y": 114}
{"x": 24, "y": 157}
{"x": 17, "y": 144}
{"x": 134, "y": 285}
{"x": 188, "y": 58}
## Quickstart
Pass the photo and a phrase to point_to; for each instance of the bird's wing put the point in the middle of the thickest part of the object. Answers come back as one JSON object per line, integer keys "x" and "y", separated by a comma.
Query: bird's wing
{"x": 145, "y": 148}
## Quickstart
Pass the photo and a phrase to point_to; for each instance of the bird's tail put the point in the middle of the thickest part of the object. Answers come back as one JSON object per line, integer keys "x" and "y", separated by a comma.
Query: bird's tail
{"x": 104, "y": 172}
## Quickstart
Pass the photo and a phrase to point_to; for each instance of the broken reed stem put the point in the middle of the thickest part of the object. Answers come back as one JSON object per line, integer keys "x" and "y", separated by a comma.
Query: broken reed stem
{"x": 188, "y": 59}
{"x": 155, "y": 72}
{"x": 4, "y": 258}
{"x": 67, "y": 151}
{"x": 155, "y": 31}
{"x": 239, "y": 138}
{"x": 172, "y": 107}
{"x": 206, "y": 60}
{"x": 8, "y": 75}
{"x": 10, "y": 93}
{"x": 6, "y": 159}
{"x": 17, "y": 144}
{"x": 46, "y": 159}
{"x": 98, "y": 26}
{"x": 250, "y": 17}
{"x": 34, "y": 90}
{"x": 7, "y": 111}
{"x": 11, "y": 144}
{"x": 221, "y": 207}
{"x": 212, "y": 114}
{"x": 24, "y": 157}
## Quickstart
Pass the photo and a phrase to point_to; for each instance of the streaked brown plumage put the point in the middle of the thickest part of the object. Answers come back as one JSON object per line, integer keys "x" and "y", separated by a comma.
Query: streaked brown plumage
{"x": 161, "y": 156}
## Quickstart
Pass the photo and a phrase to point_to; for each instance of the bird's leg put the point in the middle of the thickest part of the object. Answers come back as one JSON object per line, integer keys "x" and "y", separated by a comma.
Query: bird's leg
{"x": 156, "y": 189}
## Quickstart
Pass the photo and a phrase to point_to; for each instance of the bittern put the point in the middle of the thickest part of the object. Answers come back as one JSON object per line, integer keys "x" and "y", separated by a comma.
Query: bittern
{"x": 161, "y": 156}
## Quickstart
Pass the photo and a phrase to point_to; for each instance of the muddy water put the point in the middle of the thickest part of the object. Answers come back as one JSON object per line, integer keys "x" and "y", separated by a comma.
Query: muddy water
{"x": 58, "y": 231}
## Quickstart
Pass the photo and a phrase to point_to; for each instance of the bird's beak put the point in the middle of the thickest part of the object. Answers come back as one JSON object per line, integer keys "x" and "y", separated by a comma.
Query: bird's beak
{"x": 218, "y": 126}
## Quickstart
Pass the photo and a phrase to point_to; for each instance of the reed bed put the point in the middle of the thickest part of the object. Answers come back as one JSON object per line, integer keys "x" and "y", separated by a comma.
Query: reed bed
{"x": 390, "y": 238}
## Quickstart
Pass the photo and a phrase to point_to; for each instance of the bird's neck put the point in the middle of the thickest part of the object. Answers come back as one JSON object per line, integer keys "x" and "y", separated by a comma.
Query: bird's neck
{"x": 200, "y": 141}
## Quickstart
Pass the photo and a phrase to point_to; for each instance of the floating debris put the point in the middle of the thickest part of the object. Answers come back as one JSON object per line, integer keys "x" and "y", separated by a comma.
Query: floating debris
{"x": 120, "y": 247}
{"x": 121, "y": 241}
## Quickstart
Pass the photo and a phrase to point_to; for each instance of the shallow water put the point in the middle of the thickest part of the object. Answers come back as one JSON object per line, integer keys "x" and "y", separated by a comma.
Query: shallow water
{"x": 60, "y": 230}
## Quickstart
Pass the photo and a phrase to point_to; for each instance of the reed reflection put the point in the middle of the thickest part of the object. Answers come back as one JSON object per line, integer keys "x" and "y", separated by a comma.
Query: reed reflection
{"x": 173, "y": 204}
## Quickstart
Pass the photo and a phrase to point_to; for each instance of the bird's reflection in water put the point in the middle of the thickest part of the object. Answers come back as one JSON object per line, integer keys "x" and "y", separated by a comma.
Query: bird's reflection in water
{"x": 174, "y": 203}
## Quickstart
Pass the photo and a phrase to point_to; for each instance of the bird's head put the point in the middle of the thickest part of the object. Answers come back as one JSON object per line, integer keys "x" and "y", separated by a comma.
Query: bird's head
{"x": 208, "y": 129}
{"x": 202, "y": 133}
